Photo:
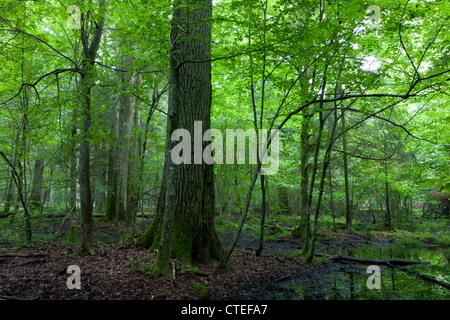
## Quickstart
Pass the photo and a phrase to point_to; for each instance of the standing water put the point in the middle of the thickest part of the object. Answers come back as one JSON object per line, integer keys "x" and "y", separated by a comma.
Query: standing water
{"x": 349, "y": 281}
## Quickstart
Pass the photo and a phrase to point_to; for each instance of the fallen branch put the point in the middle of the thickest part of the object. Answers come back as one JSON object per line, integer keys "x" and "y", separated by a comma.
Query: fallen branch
{"x": 388, "y": 262}
{"x": 274, "y": 228}
{"x": 28, "y": 262}
{"x": 142, "y": 216}
{"x": 3, "y": 216}
{"x": 194, "y": 273}
{"x": 22, "y": 255}
{"x": 423, "y": 276}
{"x": 11, "y": 298}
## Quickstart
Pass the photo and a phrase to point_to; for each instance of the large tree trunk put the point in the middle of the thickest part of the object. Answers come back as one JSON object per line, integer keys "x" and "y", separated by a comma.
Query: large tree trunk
{"x": 117, "y": 202}
{"x": 184, "y": 224}
{"x": 116, "y": 207}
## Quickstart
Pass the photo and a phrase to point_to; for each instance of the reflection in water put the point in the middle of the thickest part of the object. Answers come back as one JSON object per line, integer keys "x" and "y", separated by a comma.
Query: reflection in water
{"x": 349, "y": 281}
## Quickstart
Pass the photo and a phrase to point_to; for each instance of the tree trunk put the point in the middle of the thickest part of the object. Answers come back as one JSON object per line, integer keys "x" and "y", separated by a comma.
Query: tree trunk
{"x": 387, "y": 221}
{"x": 333, "y": 215}
{"x": 184, "y": 226}
{"x": 263, "y": 218}
{"x": 112, "y": 168}
{"x": 87, "y": 66}
{"x": 22, "y": 182}
{"x": 72, "y": 237}
{"x": 348, "y": 206}
{"x": 301, "y": 231}
{"x": 132, "y": 179}
{"x": 36, "y": 191}
{"x": 9, "y": 193}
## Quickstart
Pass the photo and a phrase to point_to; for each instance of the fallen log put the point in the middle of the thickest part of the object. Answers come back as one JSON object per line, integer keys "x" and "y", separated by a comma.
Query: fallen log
{"x": 387, "y": 262}
{"x": 16, "y": 298}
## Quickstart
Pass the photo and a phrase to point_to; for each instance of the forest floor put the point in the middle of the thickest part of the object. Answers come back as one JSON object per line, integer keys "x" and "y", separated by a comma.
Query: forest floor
{"x": 118, "y": 270}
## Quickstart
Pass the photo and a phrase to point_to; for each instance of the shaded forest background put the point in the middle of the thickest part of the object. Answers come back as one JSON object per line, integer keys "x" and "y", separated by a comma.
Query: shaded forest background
{"x": 363, "y": 111}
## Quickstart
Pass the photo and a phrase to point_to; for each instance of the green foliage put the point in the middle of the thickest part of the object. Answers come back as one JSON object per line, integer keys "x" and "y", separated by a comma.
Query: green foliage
{"x": 271, "y": 61}
{"x": 139, "y": 265}
{"x": 408, "y": 242}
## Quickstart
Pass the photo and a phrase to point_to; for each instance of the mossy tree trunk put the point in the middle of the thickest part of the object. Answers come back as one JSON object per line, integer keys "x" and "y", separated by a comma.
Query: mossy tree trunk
{"x": 184, "y": 226}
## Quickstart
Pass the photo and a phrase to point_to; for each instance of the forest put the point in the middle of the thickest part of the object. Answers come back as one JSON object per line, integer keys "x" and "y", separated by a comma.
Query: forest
{"x": 224, "y": 150}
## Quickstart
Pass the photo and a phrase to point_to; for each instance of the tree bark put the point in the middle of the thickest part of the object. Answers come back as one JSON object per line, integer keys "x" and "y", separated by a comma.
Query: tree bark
{"x": 301, "y": 231}
{"x": 72, "y": 236}
{"x": 184, "y": 226}
{"x": 387, "y": 221}
{"x": 87, "y": 68}
{"x": 263, "y": 218}
{"x": 36, "y": 191}
{"x": 9, "y": 194}
{"x": 348, "y": 206}
{"x": 132, "y": 179}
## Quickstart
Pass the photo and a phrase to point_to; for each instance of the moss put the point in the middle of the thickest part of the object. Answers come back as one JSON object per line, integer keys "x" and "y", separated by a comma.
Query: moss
{"x": 217, "y": 251}
{"x": 111, "y": 211}
{"x": 202, "y": 290}
{"x": 147, "y": 239}
{"x": 297, "y": 233}
{"x": 181, "y": 246}
{"x": 72, "y": 236}
{"x": 275, "y": 228}
{"x": 160, "y": 267}
{"x": 430, "y": 239}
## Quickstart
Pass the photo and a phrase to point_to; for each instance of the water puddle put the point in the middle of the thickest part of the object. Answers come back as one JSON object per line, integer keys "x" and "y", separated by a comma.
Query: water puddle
{"x": 338, "y": 281}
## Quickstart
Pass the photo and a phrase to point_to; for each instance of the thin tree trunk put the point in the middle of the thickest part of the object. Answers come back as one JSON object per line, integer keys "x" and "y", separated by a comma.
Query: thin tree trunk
{"x": 348, "y": 208}
{"x": 132, "y": 183}
{"x": 89, "y": 54}
{"x": 113, "y": 168}
{"x": 331, "y": 197}
{"x": 263, "y": 218}
{"x": 9, "y": 193}
{"x": 388, "y": 209}
{"x": 301, "y": 231}
{"x": 72, "y": 236}
{"x": 36, "y": 190}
